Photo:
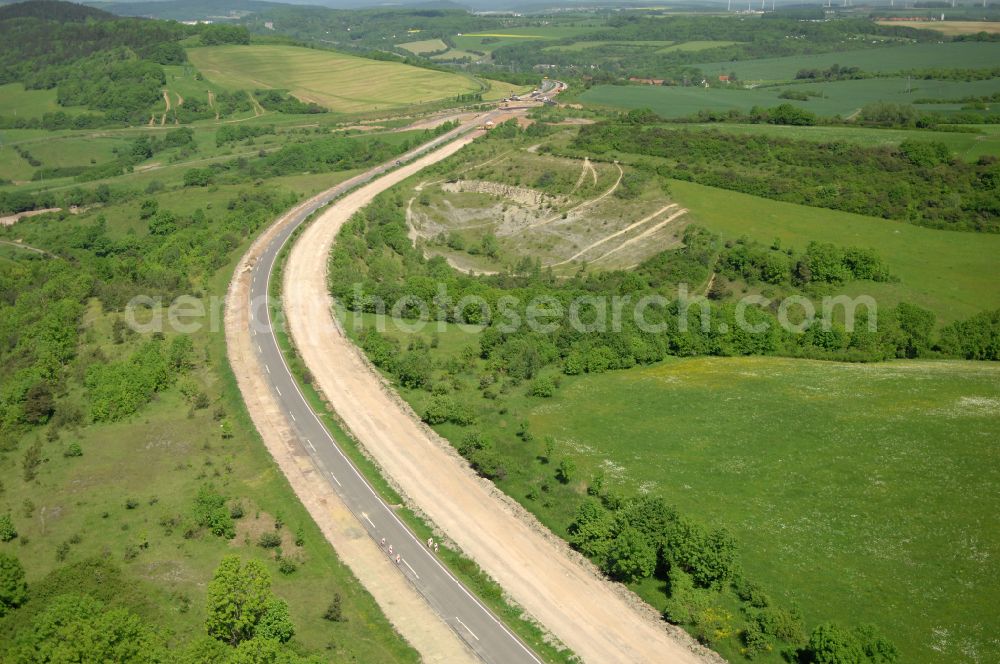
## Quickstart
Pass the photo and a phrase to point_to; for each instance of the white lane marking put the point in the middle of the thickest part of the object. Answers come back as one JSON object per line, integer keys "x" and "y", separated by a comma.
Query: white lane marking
{"x": 259, "y": 349}
{"x": 278, "y": 390}
{"x": 467, "y": 628}
{"x": 417, "y": 575}
{"x": 295, "y": 420}
{"x": 268, "y": 368}
{"x": 335, "y": 479}
{"x": 365, "y": 517}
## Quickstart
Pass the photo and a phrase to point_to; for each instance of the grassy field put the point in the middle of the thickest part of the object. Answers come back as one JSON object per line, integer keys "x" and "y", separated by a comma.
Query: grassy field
{"x": 425, "y": 46}
{"x": 953, "y": 274}
{"x": 892, "y": 58}
{"x": 584, "y": 45}
{"x": 950, "y": 28}
{"x": 696, "y": 46}
{"x": 488, "y": 42}
{"x": 339, "y": 82}
{"x": 873, "y": 503}
{"x": 834, "y": 98}
{"x": 457, "y": 54}
{"x": 15, "y": 100}
{"x": 967, "y": 146}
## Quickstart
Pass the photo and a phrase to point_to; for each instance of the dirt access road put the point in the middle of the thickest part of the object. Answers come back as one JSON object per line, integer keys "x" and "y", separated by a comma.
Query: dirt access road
{"x": 599, "y": 620}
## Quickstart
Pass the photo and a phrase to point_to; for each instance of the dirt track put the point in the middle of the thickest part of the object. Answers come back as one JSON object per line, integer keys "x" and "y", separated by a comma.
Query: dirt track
{"x": 600, "y": 621}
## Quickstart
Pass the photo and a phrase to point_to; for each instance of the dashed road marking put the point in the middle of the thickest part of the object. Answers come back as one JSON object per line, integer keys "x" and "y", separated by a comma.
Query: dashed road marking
{"x": 467, "y": 628}
{"x": 335, "y": 479}
{"x": 417, "y": 575}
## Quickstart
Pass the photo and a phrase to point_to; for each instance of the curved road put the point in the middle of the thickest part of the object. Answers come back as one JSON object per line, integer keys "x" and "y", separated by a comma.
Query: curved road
{"x": 475, "y": 624}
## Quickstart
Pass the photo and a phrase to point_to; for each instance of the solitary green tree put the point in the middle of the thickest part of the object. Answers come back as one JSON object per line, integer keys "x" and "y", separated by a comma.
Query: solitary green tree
{"x": 13, "y": 589}
{"x": 240, "y": 604}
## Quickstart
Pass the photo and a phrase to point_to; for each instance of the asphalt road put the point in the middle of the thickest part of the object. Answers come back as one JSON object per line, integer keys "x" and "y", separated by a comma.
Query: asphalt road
{"x": 464, "y": 613}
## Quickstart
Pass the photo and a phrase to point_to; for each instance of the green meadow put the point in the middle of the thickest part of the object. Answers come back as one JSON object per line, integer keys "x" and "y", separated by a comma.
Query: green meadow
{"x": 424, "y": 46}
{"x": 951, "y": 273}
{"x": 886, "y": 59}
{"x": 339, "y": 82}
{"x": 15, "y": 100}
{"x": 696, "y": 46}
{"x": 488, "y": 42}
{"x": 585, "y": 45}
{"x": 831, "y": 98}
{"x": 859, "y": 493}
{"x": 980, "y": 140}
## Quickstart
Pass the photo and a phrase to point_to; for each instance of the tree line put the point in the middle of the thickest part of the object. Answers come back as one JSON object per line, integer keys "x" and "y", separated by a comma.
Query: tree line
{"x": 917, "y": 181}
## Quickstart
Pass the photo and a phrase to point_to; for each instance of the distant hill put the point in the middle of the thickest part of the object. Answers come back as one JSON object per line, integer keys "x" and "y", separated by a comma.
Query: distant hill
{"x": 52, "y": 10}
{"x": 187, "y": 10}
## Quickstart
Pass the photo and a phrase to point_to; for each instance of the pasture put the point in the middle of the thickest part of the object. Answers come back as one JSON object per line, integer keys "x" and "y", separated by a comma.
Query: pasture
{"x": 15, "y": 100}
{"x": 339, "y": 82}
{"x": 983, "y": 140}
{"x": 424, "y": 46}
{"x": 951, "y": 273}
{"x": 860, "y": 493}
{"x": 487, "y": 42}
{"x": 886, "y": 59}
{"x": 832, "y": 98}
{"x": 950, "y": 28}
{"x": 586, "y": 45}
{"x": 696, "y": 46}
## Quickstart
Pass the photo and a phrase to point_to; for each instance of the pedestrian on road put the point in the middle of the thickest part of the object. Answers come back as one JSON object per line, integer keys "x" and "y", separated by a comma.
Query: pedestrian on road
{"x": 383, "y": 542}
{"x": 430, "y": 542}
{"x": 397, "y": 559}
{"x": 390, "y": 549}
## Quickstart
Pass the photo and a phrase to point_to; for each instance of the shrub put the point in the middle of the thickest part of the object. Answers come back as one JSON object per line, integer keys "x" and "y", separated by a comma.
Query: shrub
{"x": 210, "y": 512}
{"x": 543, "y": 386}
{"x": 269, "y": 540}
{"x": 334, "y": 612}
{"x": 31, "y": 461}
{"x": 439, "y": 410}
{"x": 566, "y": 470}
{"x": 73, "y": 450}
{"x": 286, "y": 565}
